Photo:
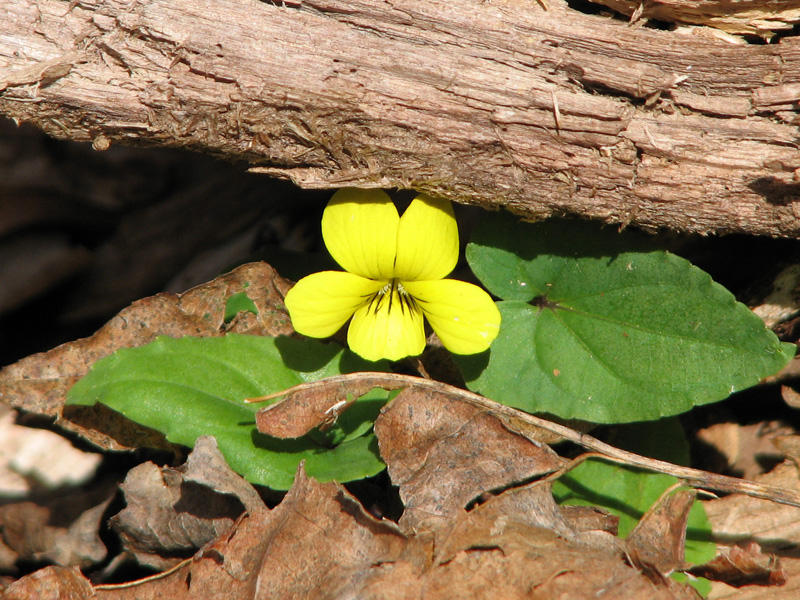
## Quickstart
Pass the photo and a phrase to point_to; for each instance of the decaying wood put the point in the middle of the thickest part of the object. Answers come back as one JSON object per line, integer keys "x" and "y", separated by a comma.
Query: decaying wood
{"x": 490, "y": 102}
{"x": 755, "y": 17}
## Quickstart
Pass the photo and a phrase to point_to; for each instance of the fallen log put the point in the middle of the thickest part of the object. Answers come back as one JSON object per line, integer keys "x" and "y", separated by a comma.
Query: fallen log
{"x": 538, "y": 108}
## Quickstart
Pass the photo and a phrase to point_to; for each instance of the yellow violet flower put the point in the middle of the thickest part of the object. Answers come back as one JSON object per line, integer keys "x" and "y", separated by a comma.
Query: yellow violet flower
{"x": 394, "y": 276}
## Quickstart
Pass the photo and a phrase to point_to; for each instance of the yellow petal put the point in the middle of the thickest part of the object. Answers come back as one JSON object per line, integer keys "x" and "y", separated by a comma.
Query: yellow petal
{"x": 388, "y": 327}
{"x": 321, "y": 303}
{"x": 462, "y": 315}
{"x": 360, "y": 230}
{"x": 427, "y": 240}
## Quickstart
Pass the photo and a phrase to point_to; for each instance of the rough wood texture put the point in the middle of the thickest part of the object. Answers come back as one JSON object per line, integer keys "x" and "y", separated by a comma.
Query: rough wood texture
{"x": 756, "y": 17}
{"x": 491, "y": 102}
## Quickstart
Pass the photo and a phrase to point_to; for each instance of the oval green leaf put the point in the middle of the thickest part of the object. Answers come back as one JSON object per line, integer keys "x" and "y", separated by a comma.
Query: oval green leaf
{"x": 594, "y": 332}
{"x": 190, "y": 387}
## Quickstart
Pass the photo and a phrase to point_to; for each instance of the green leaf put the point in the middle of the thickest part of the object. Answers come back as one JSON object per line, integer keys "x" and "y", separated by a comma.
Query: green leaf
{"x": 629, "y": 493}
{"x": 593, "y": 332}
{"x": 190, "y": 387}
{"x": 239, "y": 302}
{"x": 701, "y": 584}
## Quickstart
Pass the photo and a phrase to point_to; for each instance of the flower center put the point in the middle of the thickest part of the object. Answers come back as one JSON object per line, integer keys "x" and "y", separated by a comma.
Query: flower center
{"x": 394, "y": 294}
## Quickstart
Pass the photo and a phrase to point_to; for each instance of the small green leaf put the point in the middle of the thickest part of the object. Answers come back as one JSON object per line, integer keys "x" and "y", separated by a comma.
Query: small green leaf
{"x": 190, "y": 387}
{"x": 239, "y": 302}
{"x": 629, "y": 493}
{"x": 701, "y": 584}
{"x": 593, "y": 332}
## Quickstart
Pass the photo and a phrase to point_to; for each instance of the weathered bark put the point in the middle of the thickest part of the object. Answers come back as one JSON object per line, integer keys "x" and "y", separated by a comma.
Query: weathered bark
{"x": 755, "y": 17}
{"x": 492, "y": 102}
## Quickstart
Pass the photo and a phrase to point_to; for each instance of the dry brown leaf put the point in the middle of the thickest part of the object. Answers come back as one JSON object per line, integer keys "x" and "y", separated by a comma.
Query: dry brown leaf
{"x": 50, "y": 583}
{"x": 319, "y": 403}
{"x": 332, "y": 540}
{"x": 657, "y": 542}
{"x": 444, "y": 453}
{"x": 300, "y": 412}
{"x": 171, "y": 513}
{"x": 559, "y": 570}
{"x": 590, "y": 518}
{"x": 540, "y": 566}
{"x": 449, "y": 457}
{"x": 318, "y": 543}
{"x": 37, "y": 458}
{"x": 39, "y": 383}
{"x": 226, "y": 568}
{"x": 743, "y": 565}
{"x": 62, "y": 529}
{"x": 525, "y": 519}
{"x": 745, "y": 447}
{"x": 776, "y": 528}
{"x": 206, "y": 466}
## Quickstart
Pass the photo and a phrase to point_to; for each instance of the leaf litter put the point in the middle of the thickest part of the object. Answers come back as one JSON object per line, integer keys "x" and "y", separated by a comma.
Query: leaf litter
{"x": 479, "y": 517}
{"x": 760, "y": 541}
{"x": 34, "y": 459}
{"x": 476, "y": 527}
{"x": 443, "y": 455}
{"x": 171, "y": 512}
{"x": 56, "y": 528}
{"x": 319, "y": 541}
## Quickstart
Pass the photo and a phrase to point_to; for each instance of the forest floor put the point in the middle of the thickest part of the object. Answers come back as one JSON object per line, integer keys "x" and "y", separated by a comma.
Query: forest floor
{"x": 83, "y": 234}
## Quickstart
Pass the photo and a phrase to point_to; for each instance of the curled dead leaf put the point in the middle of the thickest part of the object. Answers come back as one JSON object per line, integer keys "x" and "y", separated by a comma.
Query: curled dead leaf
{"x": 319, "y": 403}
{"x": 744, "y": 564}
{"x": 319, "y": 542}
{"x": 741, "y": 520}
{"x": 171, "y": 513}
{"x": 61, "y": 528}
{"x": 525, "y": 519}
{"x": 296, "y": 415}
{"x": 444, "y": 453}
{"x": 657, "y": 542}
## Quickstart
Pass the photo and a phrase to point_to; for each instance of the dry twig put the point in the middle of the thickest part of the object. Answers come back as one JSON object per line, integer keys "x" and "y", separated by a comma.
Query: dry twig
{"x": 526, "y": 425}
